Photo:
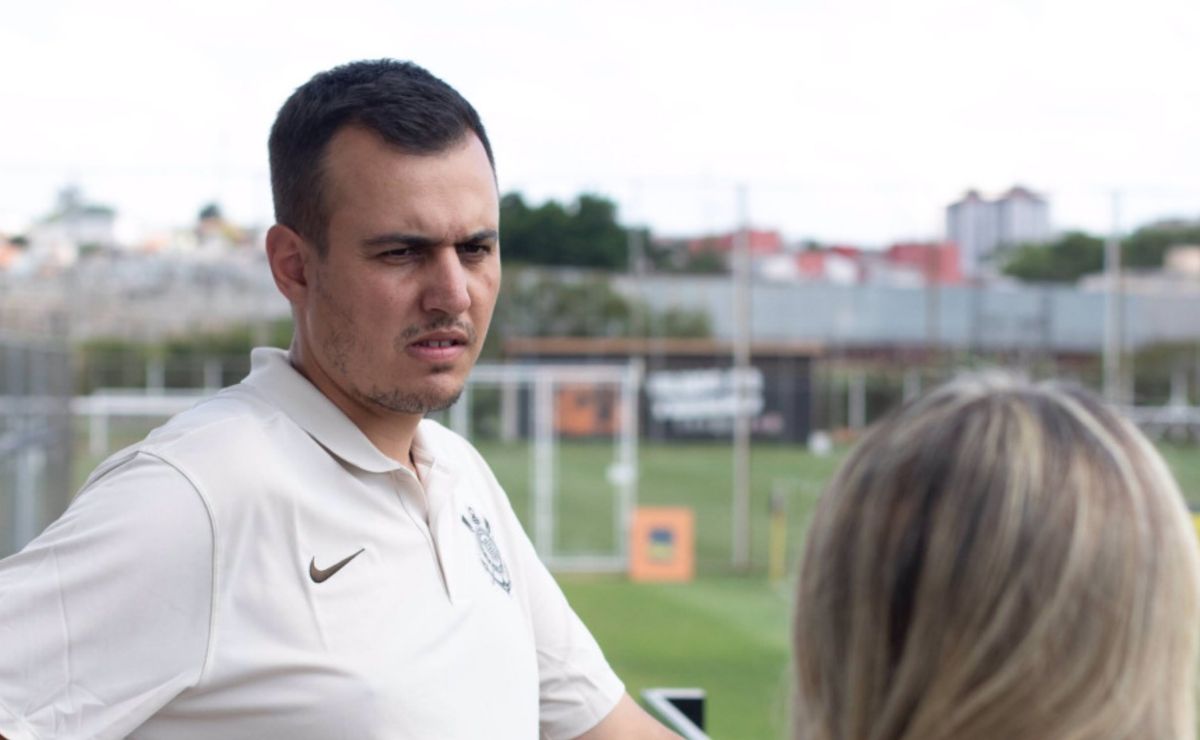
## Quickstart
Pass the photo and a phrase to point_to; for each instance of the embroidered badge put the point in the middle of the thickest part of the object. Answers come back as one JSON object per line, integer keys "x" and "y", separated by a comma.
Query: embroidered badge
{"x": 489, "y": 553}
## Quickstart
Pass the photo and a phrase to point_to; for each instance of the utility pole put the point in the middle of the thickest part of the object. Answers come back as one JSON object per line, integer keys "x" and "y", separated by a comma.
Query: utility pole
{"x": 741, "y": 377}
{"x": 640, "y": 329}
{"x": 1113, "y": 310}
{"x": 635, "y": 243}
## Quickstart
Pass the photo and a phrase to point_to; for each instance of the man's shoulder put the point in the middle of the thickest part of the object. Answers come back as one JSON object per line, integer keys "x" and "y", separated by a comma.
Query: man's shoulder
{"x": 226, "y": 426}
{"x": 229, "y": 419}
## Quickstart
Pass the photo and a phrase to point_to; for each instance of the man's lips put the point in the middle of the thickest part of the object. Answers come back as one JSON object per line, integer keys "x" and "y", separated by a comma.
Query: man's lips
{"x": 438, "y": 346}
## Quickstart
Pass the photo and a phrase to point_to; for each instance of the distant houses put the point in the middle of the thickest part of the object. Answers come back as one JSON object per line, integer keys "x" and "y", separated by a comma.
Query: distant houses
{"x": 978, "y": 231}
{"x": 773, "y": 259}
{"x": 77, "y": 227}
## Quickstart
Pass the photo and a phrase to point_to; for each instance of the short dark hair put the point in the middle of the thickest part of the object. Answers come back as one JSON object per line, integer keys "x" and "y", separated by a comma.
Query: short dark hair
{"x": 400, "y": 101}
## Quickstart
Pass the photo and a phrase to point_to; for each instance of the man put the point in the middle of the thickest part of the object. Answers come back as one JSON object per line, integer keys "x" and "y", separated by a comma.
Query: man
{"x": 303, "y": 556}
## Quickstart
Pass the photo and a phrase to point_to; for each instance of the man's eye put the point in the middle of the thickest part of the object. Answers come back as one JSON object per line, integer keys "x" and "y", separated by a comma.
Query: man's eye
{"x": 475, "y": 248}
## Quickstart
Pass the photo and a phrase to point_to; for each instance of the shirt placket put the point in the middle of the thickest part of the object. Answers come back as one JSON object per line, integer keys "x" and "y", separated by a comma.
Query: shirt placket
{"x": 430, "y": 503}
{"x": 448, "y": 529}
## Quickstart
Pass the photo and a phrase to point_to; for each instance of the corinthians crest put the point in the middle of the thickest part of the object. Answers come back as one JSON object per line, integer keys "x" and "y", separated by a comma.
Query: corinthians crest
{"x": 489, "y": 553}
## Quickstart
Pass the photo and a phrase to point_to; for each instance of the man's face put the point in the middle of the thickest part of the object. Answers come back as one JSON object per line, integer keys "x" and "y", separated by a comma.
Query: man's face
{"x": 397, "y": 309}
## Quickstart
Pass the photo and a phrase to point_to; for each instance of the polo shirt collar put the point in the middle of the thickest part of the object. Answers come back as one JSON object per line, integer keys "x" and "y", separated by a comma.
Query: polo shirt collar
{"x": 273, "y": 377}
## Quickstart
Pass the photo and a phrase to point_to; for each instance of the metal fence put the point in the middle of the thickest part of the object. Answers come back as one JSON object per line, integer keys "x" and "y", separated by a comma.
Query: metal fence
{"x": 35, "y": 432}
{"x": 1058, "y": 318}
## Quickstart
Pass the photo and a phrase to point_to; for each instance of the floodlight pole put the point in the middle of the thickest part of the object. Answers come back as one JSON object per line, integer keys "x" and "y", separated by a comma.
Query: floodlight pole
{"x": 741, "y": 374}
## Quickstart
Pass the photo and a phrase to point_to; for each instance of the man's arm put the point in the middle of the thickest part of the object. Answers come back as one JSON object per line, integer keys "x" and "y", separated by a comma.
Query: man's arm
{"x": 628, "y": 721}
{"x": 126, "y": 570}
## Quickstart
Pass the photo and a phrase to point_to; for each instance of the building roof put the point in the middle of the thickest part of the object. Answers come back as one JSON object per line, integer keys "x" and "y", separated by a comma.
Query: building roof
{"x": 1022, "y": 193}
{"x": 759, "y": 241}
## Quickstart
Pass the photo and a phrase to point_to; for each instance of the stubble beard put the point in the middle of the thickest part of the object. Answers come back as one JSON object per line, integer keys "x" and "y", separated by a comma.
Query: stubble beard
{"x": 340, "y": 345}
{"x": 421, "y": 403}
{"x": 412, "y": 403}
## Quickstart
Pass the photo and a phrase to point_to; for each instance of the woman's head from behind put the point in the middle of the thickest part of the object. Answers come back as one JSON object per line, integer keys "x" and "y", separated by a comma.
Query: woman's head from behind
{"x": 999, "y": 560}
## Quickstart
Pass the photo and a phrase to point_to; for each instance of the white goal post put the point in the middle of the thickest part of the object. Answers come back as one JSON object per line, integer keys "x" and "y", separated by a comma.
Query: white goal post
{"x": 542, "y": 383}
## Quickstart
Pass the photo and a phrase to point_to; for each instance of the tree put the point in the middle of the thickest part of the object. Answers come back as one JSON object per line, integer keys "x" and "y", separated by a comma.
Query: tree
{"x": 685, "y": 256}
{"x": 210, "y": 211}
{"x": 705, "y": 262}
{"x": 1147, "y": 247}
{"x": 1066, "y": 259}
{"x": 1076, "y": 253}
{"x": 536, "y": 303}
{"x": 584, "y": 233}
{"x": 539, "y": 304}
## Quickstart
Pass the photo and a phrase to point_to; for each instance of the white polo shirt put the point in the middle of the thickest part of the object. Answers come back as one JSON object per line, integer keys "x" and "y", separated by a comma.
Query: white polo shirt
{"x": 256, "y": 568}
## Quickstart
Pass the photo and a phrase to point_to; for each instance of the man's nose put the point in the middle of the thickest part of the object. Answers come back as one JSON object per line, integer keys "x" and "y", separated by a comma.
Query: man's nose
{"x": 445, "y": 287}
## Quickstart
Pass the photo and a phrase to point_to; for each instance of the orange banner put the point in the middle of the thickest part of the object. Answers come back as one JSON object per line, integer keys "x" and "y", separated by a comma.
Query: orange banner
{"x": 662, "y": 544}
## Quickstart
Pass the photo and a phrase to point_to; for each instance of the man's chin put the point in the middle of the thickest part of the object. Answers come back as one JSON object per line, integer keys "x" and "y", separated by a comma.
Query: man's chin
{"x": 443, "y": 403}
{"x": 425, "y": 401}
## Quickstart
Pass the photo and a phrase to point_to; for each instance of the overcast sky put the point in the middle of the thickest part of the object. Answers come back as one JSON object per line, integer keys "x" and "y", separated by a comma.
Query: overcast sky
{"x": 846, "y": 120}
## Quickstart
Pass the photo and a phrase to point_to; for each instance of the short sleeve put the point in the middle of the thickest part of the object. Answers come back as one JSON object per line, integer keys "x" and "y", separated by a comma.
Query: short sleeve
{"x": 577, "y": 687}
{"x": 105, "y": 617}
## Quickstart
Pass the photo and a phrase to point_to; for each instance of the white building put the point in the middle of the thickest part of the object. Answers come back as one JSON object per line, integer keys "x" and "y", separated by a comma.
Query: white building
{"x": 982, "y": 227}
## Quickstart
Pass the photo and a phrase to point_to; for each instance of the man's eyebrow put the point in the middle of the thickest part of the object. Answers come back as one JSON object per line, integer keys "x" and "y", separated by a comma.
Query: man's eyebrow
{"x": 400, "y": 239}
{"x": 419, "y": 241}
{"x": 483, "y": 235}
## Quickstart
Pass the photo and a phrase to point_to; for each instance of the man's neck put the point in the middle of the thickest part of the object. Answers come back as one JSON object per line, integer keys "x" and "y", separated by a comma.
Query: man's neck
{"x": 391, "y": 432}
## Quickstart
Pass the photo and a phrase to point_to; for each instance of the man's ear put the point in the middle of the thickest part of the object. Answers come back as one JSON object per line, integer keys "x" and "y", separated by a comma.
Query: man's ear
{"x": 289, "y": 256}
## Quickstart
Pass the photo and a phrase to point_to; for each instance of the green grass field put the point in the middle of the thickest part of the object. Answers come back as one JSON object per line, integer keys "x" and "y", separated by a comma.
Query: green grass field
{"x": 694, "y": 475}
{"x": 726, "y": 632}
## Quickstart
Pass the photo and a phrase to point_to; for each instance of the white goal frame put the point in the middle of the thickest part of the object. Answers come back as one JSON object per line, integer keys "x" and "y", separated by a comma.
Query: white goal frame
{"x": 543, "y": 380}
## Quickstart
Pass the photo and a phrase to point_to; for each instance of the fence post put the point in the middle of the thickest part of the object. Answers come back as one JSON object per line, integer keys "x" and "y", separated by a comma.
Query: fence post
{"x": 98, "y": 433}
{"x": 156, "y": 375}
{"x": 460, "y": 413}
{"x": 212, "y": 374}
{"x": 30, "y": 463}
{"x": 543, "y": 461}
{"x": 857, "y": 403}
{"x": 509, "y": 421}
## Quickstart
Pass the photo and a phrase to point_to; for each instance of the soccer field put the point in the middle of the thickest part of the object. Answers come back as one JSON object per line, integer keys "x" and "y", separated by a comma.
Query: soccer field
{"x": 726, "y": 632}
{"x": 693, "y": 475}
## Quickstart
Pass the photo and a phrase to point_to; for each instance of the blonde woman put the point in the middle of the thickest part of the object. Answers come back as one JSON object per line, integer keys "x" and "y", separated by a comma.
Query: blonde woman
{"x": 999, "y": 561}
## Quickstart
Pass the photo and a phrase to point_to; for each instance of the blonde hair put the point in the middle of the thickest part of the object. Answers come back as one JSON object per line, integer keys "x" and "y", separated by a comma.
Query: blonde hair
{"x": 999, "y": 560}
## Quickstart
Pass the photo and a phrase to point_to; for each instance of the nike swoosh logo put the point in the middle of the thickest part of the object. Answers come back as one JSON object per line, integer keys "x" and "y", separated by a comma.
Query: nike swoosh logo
{"x": 320, "y": 575}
